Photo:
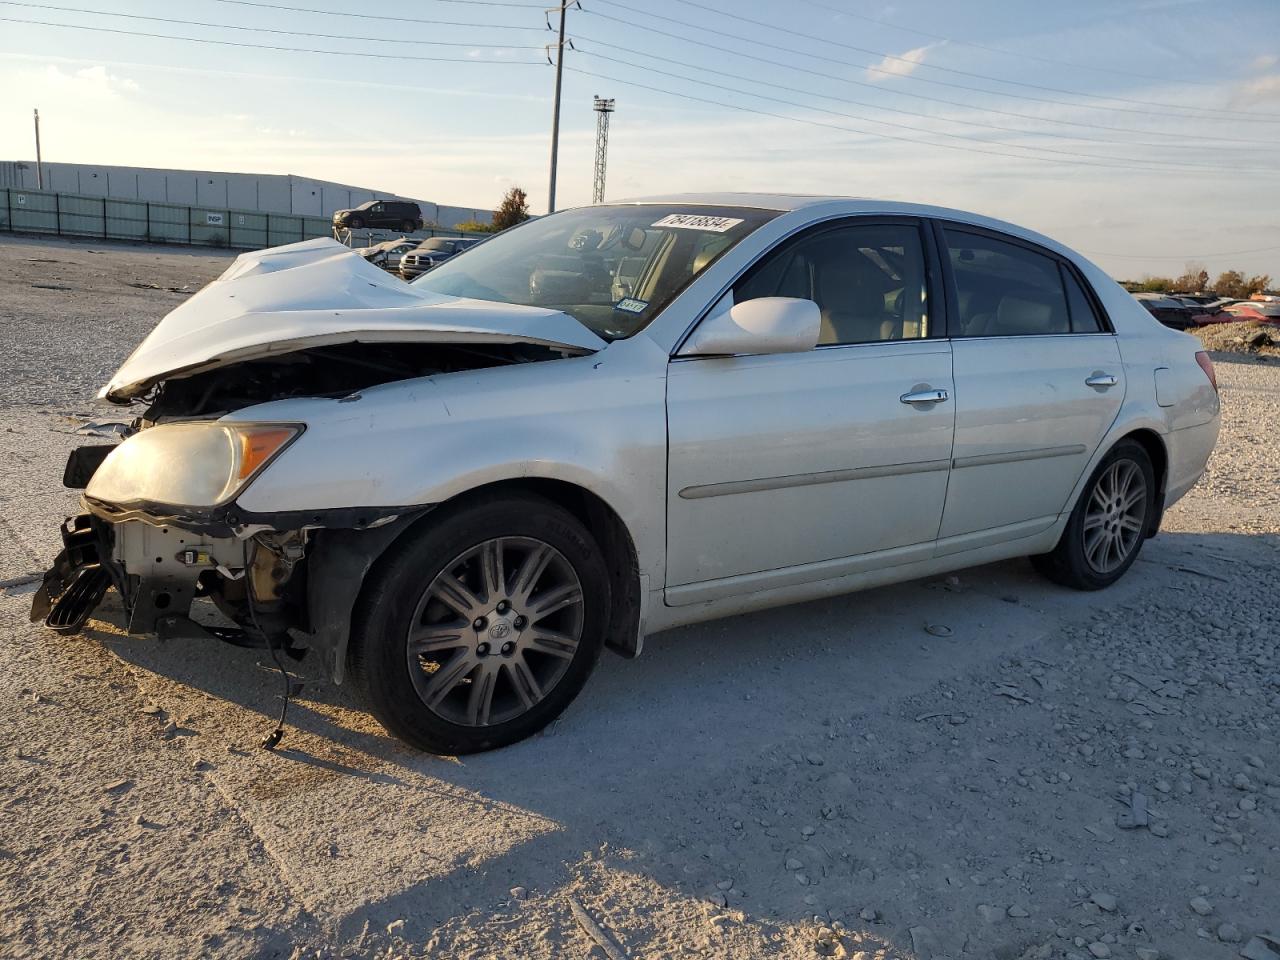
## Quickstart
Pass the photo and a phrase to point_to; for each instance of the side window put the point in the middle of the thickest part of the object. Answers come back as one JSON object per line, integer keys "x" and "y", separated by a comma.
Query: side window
{"x": 1084, "y": 319}
{"x": 868, "y": 280}
{"x": 1005, "y": 290}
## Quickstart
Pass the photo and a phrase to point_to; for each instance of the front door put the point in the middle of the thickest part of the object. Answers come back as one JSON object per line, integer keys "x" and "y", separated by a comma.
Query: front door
{"x": 1038, "y": 383}
{"x": 783, "y": 467}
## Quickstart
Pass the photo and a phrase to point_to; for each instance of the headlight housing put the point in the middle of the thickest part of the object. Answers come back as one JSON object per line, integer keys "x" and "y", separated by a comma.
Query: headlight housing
{"x": 189, "y": 464}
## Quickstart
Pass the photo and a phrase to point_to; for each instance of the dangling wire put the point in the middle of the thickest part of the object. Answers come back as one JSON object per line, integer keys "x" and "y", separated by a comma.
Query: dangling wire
{"x": 272, "y": 739}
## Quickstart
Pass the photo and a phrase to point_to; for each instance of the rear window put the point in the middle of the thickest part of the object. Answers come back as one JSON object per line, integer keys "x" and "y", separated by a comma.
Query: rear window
{"x": 1006, "y": 290}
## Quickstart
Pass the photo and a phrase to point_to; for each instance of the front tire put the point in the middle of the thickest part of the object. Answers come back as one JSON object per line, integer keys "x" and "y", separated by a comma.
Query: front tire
{"x": 481, "y": 630}
{"x": 1105, "y": 530}
{"x": 356, "y": 223}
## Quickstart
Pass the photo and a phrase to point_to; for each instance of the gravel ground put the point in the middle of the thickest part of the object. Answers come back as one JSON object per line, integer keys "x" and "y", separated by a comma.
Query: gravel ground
{"x": 1055, "y": 775}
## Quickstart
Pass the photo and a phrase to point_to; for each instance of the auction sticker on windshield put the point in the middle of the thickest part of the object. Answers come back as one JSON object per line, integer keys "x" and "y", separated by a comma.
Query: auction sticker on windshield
{"x": 695, "y": 221}
{"x": 631, "y": 305}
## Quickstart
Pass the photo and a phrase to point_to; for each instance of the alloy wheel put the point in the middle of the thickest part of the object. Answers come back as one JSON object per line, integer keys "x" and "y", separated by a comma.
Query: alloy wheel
{"x": 495, "y": 631}
{"x": 1116, "y": 516}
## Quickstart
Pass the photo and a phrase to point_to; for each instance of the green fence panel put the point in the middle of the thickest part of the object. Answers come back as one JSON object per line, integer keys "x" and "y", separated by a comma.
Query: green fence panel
{"x": 40, "y": 211}
{"x": 82, "y": 216}
{"x": 33, "y": 211}
{"x": 248, "y": 230}
{"x": 313, "y": 227}
{"x": 210, "y": 228}
{"x": 169, "y": 223}
{"x": 126, "y": 219}
{"x": 282, "y": 229}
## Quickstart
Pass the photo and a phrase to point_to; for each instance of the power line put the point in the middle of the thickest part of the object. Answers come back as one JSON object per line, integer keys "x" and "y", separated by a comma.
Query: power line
{"x": 931, "y": 66}
{"x": 1260, "y": 118}
{"x": 1181, "y": 256}
{"x": 290, "y": 33}
{"x": 377, "y": 16}
{"x": 903, "y": 93}
{"x": 263, "y": 46}
{"x": 910, "y": 113}
{"x": 887, "y": 136}
{"x": 1001, "y": 50}
{"x": 1156, "y": 164}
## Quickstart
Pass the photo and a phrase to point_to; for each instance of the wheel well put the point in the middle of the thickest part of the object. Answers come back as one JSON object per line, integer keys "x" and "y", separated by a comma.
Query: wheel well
{"x": 611, "y": 535}
{"x": 1151, "y": 442}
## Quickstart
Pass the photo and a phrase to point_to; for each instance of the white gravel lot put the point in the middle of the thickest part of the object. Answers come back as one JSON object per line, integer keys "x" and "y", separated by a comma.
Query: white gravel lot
{"x": 1064, "y": 775}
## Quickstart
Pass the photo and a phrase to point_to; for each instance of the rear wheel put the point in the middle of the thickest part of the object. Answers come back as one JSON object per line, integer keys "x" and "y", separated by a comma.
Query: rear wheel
{"x": 483, "y": 629}
{"x": 409, "y": 226}
{"x": 1105, "y": 530}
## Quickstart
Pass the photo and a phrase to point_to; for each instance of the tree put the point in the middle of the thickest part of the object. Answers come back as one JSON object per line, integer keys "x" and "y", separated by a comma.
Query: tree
{"x": 475, "y": 226}
{"x": 513, "y": 209}
{"x": 1231, "y": 283}
{"x": 1150, "y": 284}
{"x": 1194, "y": 279}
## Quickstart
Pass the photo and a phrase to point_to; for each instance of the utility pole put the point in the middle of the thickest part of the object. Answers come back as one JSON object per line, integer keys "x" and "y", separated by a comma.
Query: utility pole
{"x": 39, "y": 166}
{"x": 603, "y": 109}
{"x": 555, "y": 114}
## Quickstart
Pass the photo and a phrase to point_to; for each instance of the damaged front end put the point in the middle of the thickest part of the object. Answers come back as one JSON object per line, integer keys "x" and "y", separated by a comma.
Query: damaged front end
{"x": 275, "y": 580}
{"x": 163, "y": 525}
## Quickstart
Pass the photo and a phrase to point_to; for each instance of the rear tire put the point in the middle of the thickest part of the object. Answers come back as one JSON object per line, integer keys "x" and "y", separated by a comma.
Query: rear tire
{"x": 1105, "y": 530}
{"x": 409, "y": 226}
{"x": 488, "y": 666}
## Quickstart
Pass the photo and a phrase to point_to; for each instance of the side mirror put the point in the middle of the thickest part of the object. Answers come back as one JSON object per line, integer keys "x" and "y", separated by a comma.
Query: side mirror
{"x": 762, "y": 326}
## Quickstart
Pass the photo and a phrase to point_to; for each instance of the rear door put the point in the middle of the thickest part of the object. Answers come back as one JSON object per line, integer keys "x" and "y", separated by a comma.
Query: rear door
{"x": 797, "y": 467}
{"x": 1038, "y": 383}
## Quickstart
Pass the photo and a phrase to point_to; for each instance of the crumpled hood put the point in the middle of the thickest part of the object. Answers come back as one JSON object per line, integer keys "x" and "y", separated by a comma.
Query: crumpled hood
{"x": 319, "y": 293}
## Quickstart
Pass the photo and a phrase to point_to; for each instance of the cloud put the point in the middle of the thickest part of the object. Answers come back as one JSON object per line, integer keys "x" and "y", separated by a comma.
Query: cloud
{"x": 1261, "y": 90}
{"x": 88, "y": 82}
{"x": 1265, "y": 61}
{"x": 903, "y": 65}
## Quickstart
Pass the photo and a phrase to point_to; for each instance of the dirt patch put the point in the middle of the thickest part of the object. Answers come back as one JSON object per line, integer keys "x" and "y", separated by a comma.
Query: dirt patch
{"x": 1249, "y": 337}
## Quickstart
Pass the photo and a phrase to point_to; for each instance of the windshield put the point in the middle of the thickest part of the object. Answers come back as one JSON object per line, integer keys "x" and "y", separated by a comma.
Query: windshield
{"x": 612, "y": 268}
{"x": 436, "y": 244}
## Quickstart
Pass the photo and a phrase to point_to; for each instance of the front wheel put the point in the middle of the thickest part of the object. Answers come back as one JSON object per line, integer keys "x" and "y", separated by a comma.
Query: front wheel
{"x": 356, "y": 223}
{"x": 1105, "y": 530}
{"x": 481, "y": 630}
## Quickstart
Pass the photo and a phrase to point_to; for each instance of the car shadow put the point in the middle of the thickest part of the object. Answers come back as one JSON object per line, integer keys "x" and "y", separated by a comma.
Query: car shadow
{"x": 688, "y": 733}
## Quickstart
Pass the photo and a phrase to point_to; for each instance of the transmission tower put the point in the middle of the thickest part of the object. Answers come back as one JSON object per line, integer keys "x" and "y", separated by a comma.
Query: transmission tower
{"x": 603, "y": 108}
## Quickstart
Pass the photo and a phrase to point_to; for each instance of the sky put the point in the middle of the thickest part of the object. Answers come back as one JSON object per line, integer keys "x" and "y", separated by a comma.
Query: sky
{"x": 1144, "y": 133}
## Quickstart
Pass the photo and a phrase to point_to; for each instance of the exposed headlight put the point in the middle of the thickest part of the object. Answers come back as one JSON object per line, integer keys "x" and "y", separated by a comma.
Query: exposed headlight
{"x": 188, "y": 464}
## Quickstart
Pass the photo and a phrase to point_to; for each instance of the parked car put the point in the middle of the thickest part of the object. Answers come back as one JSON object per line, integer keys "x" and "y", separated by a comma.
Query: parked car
{"x": 387, "y": 254}
{"x": 432, "y": 253}
{"x": 456, "y": 493}
{"x": 1169, "y": 311}
{"x": 384, "y": 214}
{"x": 1263, "y": 311}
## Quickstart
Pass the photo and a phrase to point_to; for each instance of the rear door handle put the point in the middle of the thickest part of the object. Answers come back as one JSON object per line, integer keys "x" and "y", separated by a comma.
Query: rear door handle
{"x": 925, "y": 396}
{"x": 1101, "y": 380}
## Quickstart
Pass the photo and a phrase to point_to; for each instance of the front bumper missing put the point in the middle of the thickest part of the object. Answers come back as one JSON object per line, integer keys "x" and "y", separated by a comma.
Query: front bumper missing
{"x": 78, "y": 580}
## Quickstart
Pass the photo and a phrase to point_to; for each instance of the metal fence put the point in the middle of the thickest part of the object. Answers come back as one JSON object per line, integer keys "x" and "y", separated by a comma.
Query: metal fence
{"x": 76, "y": 215}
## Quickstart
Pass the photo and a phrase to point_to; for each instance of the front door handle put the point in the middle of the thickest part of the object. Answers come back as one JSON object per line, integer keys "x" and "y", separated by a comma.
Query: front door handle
{"x": 1101, "y": 380}
{"x": 925, "y": 396}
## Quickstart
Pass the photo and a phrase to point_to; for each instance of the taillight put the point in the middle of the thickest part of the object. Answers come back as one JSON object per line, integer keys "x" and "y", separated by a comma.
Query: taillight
{"x": 1206, "y": 365}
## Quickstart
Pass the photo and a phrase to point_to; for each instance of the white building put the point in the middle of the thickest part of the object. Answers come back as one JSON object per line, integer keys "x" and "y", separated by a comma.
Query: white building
{"x": 262, "y": 192}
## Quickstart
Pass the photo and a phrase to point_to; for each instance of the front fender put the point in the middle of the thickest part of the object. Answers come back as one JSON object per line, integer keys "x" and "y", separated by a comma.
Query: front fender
{"x": 597, "y": 425}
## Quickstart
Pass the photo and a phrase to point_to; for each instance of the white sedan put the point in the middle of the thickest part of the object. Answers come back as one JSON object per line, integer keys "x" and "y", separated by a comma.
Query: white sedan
{"x": 615, "y": 420}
